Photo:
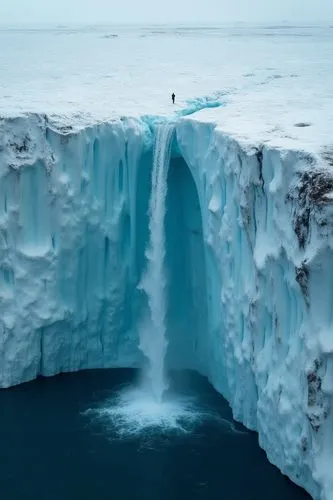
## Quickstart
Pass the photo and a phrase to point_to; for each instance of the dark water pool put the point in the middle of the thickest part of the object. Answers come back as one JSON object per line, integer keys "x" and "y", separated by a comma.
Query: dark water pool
{"x": 51, "y": 449}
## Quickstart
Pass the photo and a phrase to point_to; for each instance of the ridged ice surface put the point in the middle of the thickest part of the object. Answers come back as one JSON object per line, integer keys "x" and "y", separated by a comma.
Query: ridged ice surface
{"x": 248, "y": 227}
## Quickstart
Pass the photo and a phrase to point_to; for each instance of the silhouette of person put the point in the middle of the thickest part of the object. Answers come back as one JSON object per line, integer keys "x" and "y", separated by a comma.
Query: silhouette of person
{"x": 173, "y": 98}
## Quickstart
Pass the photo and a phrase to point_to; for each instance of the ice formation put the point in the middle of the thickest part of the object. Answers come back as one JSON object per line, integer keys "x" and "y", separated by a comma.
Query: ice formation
{"x": 248, "y": 275}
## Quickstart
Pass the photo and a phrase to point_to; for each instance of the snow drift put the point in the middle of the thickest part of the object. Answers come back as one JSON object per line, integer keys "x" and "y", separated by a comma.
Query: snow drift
{"x": 248, "y": 261}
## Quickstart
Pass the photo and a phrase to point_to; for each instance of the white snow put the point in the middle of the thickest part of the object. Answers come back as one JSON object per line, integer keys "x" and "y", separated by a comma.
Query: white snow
{"x": 272, "y": 78}
{"x": 74, "y": 194}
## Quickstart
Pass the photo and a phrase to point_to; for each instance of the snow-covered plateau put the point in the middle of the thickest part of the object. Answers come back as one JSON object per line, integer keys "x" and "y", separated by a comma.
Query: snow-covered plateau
{"x": 248, "y": 254}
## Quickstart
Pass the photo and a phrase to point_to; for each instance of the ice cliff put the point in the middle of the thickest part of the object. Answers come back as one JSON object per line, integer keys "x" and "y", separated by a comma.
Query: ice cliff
{"x": 249, "y": 246}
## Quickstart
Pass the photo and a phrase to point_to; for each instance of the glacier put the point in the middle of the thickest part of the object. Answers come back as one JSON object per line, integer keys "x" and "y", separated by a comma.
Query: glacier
{"x": 248, "y": 251}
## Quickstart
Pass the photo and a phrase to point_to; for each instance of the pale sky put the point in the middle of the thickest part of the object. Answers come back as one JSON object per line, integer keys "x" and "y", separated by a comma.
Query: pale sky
{"x": 164, "y": 11}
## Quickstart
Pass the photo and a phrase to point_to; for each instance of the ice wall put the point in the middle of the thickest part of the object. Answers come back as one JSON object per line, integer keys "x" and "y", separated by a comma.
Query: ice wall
{"x": 267, "y": 219}
{"x": 248, "y": 262}
{"x": 69, "y": 216}
{"x": 186, "y": 271}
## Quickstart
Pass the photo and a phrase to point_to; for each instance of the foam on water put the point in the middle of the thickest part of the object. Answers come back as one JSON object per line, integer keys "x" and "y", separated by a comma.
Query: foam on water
{"x": 133, "y": 412}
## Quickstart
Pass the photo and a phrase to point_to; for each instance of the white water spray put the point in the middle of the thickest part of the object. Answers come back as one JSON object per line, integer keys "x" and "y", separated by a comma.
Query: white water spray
{"x": 153, "y": 341}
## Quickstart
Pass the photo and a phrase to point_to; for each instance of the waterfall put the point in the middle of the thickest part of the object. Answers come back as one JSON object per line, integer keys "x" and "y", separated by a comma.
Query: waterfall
{"x": 153, "y": 342}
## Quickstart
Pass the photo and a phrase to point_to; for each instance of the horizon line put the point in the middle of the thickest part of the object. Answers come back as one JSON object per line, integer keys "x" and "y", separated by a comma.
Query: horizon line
{"x": 272, "y": 23}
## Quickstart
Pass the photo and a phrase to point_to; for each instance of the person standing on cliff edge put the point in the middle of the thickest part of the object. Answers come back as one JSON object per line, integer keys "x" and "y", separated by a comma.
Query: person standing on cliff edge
{"x": 173, "y": 97}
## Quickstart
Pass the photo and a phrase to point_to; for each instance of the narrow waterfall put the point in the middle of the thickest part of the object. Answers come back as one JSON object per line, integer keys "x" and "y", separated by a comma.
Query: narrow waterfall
{"x": 153, "y": 341}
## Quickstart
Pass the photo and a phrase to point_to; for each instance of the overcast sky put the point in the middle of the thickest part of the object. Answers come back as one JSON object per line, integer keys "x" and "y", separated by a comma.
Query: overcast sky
{"x": 164, "y": 11}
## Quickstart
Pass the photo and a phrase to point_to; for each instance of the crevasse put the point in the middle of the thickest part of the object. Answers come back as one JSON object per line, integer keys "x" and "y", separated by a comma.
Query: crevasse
{"x": 248, "y": 259}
